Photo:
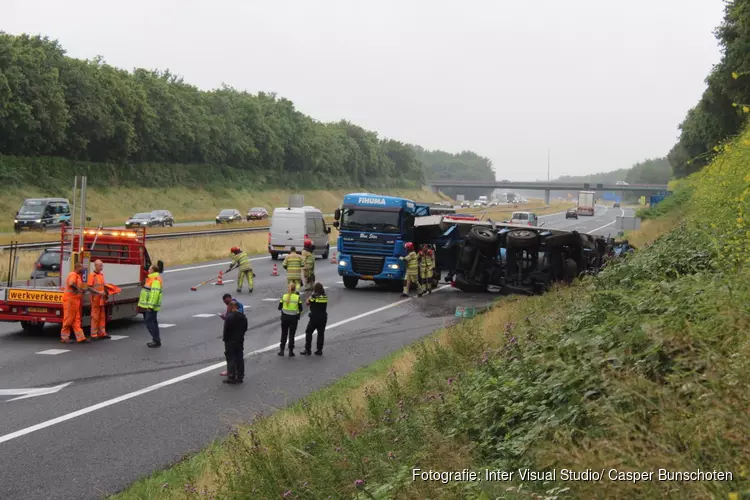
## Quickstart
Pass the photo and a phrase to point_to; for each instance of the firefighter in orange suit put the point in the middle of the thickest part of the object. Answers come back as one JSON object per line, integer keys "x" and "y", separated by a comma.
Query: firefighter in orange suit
{"x": 98, "y": 302}
{"x": 72, "y": 307}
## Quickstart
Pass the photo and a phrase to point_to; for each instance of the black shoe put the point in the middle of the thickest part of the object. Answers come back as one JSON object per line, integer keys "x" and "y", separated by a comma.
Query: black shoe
{"x": 154, "y": 344}
{"x": 291, "y": 354}
{"x": 105, "y": 337}
{"x": 318, "y": 353}
{"x": 250, "y": 291}
{"x": 306, "y": 352}
{"x": 239, "y": 290}
{"x": 420, "y": 294}
{"x": 404, "y": 294}
{"x": 281, "y": 353}
{"x": 230, "y": 381}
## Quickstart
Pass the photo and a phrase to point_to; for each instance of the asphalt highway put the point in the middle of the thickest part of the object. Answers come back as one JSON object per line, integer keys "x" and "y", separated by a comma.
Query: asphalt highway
{"x": 125, "y": 410}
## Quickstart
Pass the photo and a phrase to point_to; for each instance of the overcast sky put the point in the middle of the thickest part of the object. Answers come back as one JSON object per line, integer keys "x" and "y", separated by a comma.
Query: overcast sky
{"x": 604, "y": 84}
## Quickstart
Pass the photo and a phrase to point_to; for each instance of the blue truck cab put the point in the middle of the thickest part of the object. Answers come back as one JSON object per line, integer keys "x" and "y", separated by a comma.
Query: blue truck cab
{"x": 372, "y": 231}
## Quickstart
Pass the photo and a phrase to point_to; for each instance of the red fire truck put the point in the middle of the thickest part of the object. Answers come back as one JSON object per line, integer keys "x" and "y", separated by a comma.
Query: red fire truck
{"x": 126, "y": 262}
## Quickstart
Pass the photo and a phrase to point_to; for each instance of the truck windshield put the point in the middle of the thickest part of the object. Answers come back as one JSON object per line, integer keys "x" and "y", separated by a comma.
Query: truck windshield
{"x": 356, "y": 219}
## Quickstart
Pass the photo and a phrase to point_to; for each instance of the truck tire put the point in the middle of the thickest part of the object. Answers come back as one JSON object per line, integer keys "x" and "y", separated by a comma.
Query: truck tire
{"x": 466, "y": 285}
{"x": 29, "y": 327}
{"x": 482, "y": 237}
{"x": 274, "y": 256}
{"x": 570, "y": 270}
{"x": 350, "y": 282}
{"x": 570, "y": 239}
{"x": 521, "y": 239}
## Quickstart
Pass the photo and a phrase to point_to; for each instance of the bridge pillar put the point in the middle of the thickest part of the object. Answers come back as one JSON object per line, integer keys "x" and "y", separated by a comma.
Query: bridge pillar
{"x": 546, "y": 196}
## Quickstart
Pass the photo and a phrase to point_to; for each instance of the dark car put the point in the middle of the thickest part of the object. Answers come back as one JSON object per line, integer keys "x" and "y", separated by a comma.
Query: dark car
{"x": 47, "y": 267}
{"x": 257, "y": 213}
{"x": 162, "y": 218}
{"x": 616, "y": 204}
{"x": 41, "y": 214}
{"x": 228, "y": 215}
{"x": 571, "y": 213}
{"x": 143, "y": 219}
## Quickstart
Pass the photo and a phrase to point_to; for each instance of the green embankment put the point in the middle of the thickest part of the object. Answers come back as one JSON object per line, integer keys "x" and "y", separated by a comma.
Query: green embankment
{"x": 113, "y": 205}
{"x": 643, "y": 367}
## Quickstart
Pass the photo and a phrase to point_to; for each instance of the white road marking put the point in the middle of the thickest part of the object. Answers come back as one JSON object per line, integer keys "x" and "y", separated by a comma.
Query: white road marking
{"x": 118, "y": 337}
{"x": 146, "y": 390}
{"x": 339, "y": 282}
{"x": 53, "y": 352}
{"x": 166, "y": 325}
{"x": 204, "y": 315}
{"x": 270, "y": 300}
{"x": 31, "y": 393}
{"x": 223, "y": 281}
{"x": 607, "y": 225}
{"x": 203, "y": 266}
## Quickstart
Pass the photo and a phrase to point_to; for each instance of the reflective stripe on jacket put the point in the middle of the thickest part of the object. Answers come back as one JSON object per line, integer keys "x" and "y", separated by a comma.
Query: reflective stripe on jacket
{"x": 242, "y": 261}
{"x": 290, "y": 304}
{"x": 318, "y": 305}
{"x": 309, "y": 260}
{"x": 293, "y": 264}
{"x": 96, "y": 281}
{"x": 151, "y": 293}
{"x": 412, "y": 265}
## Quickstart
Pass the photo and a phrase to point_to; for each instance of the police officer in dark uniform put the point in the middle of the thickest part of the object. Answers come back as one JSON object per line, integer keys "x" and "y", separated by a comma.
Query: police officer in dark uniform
{"x": 318, "y": 303}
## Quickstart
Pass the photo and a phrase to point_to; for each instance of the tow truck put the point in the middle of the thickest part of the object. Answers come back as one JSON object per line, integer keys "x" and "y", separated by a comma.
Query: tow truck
{"x": 126, "y": 263}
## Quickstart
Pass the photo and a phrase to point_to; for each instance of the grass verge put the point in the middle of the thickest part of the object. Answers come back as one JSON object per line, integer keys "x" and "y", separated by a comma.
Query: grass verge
{"x": 640, "y": 368}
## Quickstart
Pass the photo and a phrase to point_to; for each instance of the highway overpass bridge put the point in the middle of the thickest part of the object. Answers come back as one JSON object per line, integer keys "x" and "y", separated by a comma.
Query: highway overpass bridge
{"x": 643, "y": 189}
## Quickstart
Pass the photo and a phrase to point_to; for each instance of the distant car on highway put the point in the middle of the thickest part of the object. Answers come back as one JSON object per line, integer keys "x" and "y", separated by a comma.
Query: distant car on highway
{"x": 616, "y": 204}
{"x": 257, "y": 213}
{"x": 528, "y": 218}
{"x": 47, "y": 265}
{"x": 42, "y": 214}
{"x": 465, "y": 204}
{"x": 143, "y": 219}
{"x": 621, "y": 183}
{"x": 228, "y": 215}
{"x": 571, "y": 213}
{"x": 163, "y": 218}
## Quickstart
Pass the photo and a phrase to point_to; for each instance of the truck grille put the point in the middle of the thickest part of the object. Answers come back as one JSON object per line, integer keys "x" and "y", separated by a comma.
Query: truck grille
{"x": 369, "y": 266}
{"x": 367, "y": 247}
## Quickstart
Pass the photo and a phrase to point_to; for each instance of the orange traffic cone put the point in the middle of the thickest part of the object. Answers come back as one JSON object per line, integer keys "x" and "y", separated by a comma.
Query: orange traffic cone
{"x": 275, "y": 271}
{"x": 220, "y": 281}
{"x": 333, "y": 257}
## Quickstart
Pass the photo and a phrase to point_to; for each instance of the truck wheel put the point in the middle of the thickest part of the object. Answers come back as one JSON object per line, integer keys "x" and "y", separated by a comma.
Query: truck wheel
{"x": 328, "y": 249}
{"x": 350, "y": 282}
{"x": 521, "y": 239}
{"x": 570, "y": 270}
{"x": 483, "y": 236}
{"x": 29, "y": 327}
{"x": 274, "y": 256}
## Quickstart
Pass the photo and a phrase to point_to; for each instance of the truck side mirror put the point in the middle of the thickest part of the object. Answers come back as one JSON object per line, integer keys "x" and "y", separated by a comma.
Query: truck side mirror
{"x": 337, "y": 214}
{"x": 335, "y": 224}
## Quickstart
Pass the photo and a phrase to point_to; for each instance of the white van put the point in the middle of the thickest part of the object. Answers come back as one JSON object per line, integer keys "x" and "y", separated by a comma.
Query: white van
{"x": 291, "y": 226}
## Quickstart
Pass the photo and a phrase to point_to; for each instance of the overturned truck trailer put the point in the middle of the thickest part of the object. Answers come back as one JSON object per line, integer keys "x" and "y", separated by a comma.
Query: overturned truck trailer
{"x": 486, "y": 256}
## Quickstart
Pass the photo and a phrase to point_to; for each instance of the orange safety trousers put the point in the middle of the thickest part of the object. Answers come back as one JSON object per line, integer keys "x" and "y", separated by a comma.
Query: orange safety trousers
{"x": 72, "y": 310}
{"x": 72, "y": 318}
{"x": 98, "y": 309}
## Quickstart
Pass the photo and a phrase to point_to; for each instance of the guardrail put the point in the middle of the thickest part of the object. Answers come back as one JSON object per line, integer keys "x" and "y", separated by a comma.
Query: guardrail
{"x": 159, "y": 236}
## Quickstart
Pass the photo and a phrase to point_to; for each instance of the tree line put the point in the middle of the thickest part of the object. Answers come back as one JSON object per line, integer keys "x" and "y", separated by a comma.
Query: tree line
{"x": 649, "y": 171}
{"x": 723, "y": 108}
{"x": 52, "y": 105}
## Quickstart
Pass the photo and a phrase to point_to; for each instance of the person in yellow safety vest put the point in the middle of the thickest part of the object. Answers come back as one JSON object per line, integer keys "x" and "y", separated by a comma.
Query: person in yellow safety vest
{"x": 426, "y": 266}
{"x": 290, "y": 306}
{"x": 149, "y": 303}
{"x": 412, "y": 269}
{"x": 242, "y": 261}
{"x": 293, "y": 264}
{"x": 308, "y": 269}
